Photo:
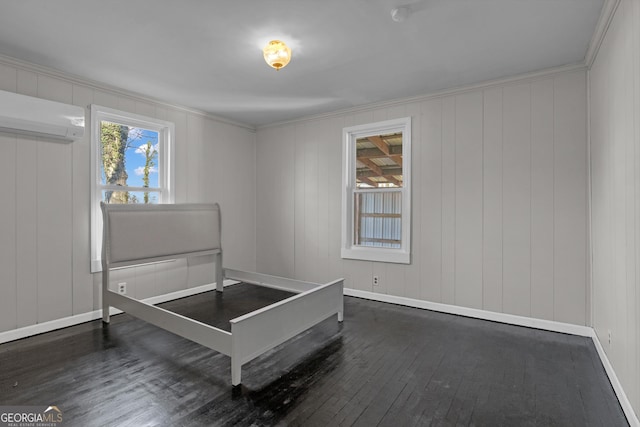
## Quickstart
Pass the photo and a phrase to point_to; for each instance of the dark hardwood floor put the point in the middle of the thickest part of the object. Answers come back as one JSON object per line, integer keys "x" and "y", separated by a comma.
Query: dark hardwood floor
{"x": 385, "y": 365}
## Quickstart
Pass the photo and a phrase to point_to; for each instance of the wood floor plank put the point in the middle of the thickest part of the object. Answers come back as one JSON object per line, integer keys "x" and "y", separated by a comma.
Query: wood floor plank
{"x": 386, "y": 365}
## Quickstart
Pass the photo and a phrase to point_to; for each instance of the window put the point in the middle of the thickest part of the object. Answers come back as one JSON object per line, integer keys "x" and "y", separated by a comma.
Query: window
{"x": 376, "y": 181}
{"x": 131, "y": 162}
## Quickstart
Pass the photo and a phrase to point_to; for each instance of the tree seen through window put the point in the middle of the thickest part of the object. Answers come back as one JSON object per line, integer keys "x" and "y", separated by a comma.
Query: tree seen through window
{"x": 129, "y": 160}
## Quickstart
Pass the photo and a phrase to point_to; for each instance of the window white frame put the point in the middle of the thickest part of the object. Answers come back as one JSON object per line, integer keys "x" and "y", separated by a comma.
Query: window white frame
{"x": 166, "y": 175}
{"x": 350, "y": 136}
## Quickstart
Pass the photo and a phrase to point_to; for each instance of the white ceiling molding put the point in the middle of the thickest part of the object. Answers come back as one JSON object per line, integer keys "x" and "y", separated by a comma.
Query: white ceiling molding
{"x": 536, "y": 75}
{"x": 606, "y": 15}
{"x": 70, "y": 78}
{"x": 526, "y": 77}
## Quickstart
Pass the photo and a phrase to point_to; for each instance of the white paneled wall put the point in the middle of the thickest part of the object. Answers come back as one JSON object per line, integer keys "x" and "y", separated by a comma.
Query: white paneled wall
{"x": 516, "y": 199}
{"x": 468, "y": 199}
{"x": 615, "y": 208}
{"x": 499, "y": 200}
{"x": 45, "y": 212}
{"x": 492, "y": 192}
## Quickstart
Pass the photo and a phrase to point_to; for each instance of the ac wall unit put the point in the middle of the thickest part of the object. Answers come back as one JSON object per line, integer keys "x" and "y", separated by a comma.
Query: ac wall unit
{"x": 40, "y": 117}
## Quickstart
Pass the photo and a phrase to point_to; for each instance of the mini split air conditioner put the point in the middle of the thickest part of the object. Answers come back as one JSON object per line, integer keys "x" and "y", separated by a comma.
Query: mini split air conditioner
{"x": 40, "y": 117}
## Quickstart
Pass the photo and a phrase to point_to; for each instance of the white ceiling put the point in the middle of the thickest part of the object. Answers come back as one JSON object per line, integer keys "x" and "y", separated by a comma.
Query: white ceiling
{"x": 206, "y": 54}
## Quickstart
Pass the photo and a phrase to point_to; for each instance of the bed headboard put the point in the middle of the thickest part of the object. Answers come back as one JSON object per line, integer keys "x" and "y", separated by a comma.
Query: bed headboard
{"x": 135, "y": 234}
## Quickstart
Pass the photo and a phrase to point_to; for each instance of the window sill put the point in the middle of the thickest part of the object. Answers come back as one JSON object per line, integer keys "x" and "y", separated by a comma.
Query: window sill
{"x": 396, "y": 256}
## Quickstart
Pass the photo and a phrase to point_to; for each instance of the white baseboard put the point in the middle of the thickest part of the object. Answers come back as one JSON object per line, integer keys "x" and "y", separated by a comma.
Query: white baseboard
{"x": 27, "y": 331}
{"x": 567, "y": 328}
{"x": 632, "y": 418}
{"x": 548, "y": 325}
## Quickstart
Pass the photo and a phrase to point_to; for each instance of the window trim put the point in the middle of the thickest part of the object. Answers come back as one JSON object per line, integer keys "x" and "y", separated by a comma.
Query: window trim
{"x": 166, "y": 164}
{"x": 350, "y": 135}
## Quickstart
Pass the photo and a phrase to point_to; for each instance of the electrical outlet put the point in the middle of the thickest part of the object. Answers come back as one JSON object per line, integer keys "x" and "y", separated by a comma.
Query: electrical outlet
{"x": 376, "y": 280}
{"x": 609, "y": 336}
{"x": 122, "y": 288}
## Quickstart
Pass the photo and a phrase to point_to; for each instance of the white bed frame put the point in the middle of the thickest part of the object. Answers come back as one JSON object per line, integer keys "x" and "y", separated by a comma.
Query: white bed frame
{"x": 138, "y": 234}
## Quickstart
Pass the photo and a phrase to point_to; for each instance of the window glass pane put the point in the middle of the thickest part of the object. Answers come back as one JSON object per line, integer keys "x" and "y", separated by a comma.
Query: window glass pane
{"x": 130, "y": 197}
{"x": 379, "y": 161}
{"x": 129, "y": 155}
{"x": 378, "y": 219}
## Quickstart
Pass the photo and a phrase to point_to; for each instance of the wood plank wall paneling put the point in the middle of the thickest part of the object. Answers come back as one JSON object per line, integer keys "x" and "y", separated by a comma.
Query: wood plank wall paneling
{"x": 26, "y": 247}
{"x": 429, "y": 212}
{"x": 54, "y": 227}
{"x": 516, "y": 199}
{"x": 299, "y": 180}
{"x": 492, "y": 201}
{"x": 448, "y": 224}
{"x": 322, "y": 264}
{"x": 195, "y": 133}
{"x": 614, "y": 82}
{"x": 412, "y": 277}
{"x": 488, "y": 194}
{"x": 220, "y": 163}
{"x": 277, "y": 158}
{"x": 468, "y": 193}
{"x": 45, "y": 214}
{"x": 54, "y": 215}
{"x": 8, "y": 78}
{"x": 570, "y": 201}
{"x": 309, "y": 138}
{"x": 542, "y": 199}
{"x": 27, "y": 83}
{"x": 8, "y": 193}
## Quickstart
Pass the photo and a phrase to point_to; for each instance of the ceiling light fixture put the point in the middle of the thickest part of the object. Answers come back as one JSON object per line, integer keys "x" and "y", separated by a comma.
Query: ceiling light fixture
{"x": 277, "y": 54}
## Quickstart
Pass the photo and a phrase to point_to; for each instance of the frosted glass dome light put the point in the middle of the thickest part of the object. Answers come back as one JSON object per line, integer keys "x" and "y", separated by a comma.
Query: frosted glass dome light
{"x": 277, "y": 54}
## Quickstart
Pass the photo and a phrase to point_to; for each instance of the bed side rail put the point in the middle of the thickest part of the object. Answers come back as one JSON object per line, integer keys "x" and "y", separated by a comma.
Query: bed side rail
{"x": 206, "y": 335}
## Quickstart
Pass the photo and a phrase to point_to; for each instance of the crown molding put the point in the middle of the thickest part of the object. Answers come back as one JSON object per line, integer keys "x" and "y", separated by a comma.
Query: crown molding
{"x": 606, "y": 16}
{"x": 519, "y": 78}
{"x": 73, "y": 79}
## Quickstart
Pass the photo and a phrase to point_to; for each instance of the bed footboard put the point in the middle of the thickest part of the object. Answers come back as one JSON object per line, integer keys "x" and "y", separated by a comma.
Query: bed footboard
{"x": 263, "y": 329}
